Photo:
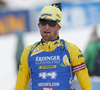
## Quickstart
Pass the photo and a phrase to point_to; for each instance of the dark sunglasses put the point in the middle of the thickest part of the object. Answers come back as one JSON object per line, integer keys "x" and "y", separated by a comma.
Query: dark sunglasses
{"x": 51, "y": 23}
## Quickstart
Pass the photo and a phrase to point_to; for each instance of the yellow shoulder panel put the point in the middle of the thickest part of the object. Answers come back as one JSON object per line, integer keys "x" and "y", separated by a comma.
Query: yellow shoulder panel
{"x": 76, "y": 56}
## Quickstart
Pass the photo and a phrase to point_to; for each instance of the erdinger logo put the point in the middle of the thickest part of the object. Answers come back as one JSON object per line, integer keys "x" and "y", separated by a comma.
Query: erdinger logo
{"x": 47, "y": 88}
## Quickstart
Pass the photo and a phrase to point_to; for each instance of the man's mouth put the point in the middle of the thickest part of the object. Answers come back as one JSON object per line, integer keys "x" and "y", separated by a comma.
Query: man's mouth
{"x": 46, "y": 32}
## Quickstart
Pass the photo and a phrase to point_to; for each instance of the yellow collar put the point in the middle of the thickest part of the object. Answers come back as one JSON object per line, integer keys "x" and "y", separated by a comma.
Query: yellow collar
{"x": 50, "y": 46}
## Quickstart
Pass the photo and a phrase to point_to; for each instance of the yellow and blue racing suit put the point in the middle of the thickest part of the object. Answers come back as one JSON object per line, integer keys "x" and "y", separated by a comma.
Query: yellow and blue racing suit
{"x": 49, "y": 67}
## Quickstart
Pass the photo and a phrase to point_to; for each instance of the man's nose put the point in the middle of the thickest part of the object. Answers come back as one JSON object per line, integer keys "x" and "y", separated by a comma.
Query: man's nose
{"x": 47, "y": 26}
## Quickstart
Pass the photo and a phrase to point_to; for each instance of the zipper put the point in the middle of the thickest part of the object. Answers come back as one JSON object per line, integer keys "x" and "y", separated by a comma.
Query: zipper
{"x": 49, "y": 48}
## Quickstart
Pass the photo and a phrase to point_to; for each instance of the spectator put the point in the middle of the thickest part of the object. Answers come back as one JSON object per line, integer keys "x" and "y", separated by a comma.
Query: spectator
{"x": 92, "y": 54}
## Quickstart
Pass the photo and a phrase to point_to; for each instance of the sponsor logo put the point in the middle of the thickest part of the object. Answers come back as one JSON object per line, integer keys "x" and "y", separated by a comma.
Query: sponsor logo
{"x": 55, "y": 43}
{"x": 48, "y": 84}
{"x": 44, "y": 75}
{"x": 46, "y": 67}
{"x": 81, "y": 55}
{"x": 65, "y": 61}
{"x": 46, "y": 58}
{"x": 46, "y": 14}
{"x": 47, "y": 88}
{"x": 36, "y": 49}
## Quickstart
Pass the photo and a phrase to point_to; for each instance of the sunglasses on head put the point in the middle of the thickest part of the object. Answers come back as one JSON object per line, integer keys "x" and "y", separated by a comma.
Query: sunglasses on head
{"x": 51, "y": 23}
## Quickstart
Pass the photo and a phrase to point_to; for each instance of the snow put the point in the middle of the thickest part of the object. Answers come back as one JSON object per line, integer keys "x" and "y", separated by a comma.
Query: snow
{"x": 7, "y": 65}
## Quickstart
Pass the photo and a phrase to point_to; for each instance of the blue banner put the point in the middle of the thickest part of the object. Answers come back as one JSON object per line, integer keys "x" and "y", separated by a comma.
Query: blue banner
{"x": 81, "y": 14}
{"x": 12, "y": 21}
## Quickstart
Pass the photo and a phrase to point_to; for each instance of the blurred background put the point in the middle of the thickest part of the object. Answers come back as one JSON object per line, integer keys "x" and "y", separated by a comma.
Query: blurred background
{"x": 18, "y": 29}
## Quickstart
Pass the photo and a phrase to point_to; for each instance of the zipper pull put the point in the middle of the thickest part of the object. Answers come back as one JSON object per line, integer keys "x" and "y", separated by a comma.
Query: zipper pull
{"x": 49, "y": 47}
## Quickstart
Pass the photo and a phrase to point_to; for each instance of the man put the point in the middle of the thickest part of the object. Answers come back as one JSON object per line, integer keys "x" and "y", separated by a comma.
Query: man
{"x": 52, "y": 63}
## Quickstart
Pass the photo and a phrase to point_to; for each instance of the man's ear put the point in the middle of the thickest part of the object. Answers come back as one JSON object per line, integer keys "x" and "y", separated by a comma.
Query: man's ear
{"x": 39, "y": 25}
{"x": 59, "y": 27}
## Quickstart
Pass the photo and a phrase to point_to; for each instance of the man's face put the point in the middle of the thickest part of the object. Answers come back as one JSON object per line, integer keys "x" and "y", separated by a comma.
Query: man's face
{"x": 47, "y": 32}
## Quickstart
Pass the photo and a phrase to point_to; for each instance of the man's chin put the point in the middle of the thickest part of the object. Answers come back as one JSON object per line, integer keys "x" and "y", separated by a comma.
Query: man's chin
{"x": 47, "y": 39}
